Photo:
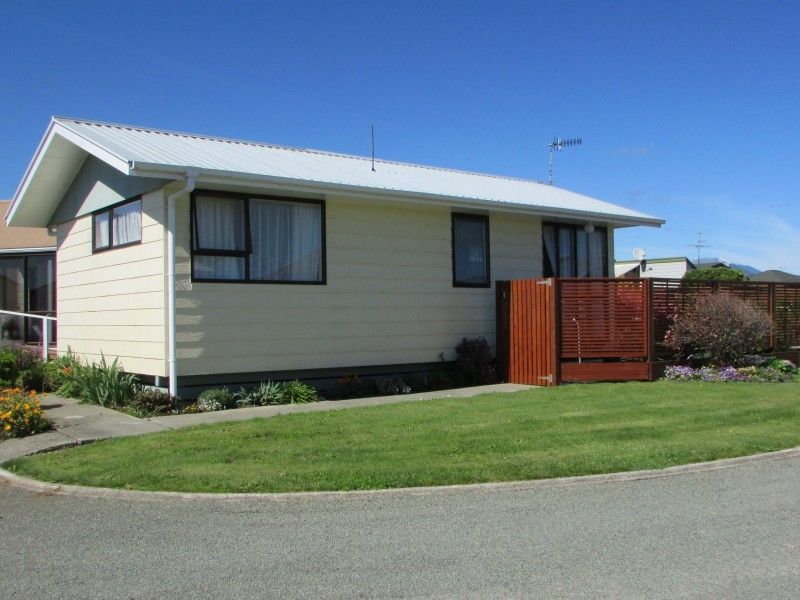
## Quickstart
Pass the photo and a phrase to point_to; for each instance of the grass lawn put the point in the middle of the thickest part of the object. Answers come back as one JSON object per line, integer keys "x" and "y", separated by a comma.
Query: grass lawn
{"x": 569, "y": 430}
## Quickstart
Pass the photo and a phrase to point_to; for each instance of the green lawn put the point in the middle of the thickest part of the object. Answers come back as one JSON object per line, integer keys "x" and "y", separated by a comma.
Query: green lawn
{"x": 569, "y": 430}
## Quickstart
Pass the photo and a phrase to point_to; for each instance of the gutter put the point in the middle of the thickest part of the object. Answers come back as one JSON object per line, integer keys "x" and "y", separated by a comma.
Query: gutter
{"x": 190, "y": 178}
{"x": 212, "y": 177}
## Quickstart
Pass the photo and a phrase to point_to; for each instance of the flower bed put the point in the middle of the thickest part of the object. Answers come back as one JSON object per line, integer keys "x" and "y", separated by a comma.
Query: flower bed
{"x": 784, "y": 372}
{"x": 21, "y": 414}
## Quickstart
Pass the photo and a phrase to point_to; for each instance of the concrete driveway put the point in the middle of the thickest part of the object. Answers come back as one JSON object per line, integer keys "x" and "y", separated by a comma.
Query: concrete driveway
{"x": 730, "y": 533}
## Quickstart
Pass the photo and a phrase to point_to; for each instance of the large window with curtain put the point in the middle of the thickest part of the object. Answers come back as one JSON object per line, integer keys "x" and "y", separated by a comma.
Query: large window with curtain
{"x": 237, "y": 237}
{"x": 117, "y": 226}
{"x": 470, "y": 236}
{"x": 574, "y": 250}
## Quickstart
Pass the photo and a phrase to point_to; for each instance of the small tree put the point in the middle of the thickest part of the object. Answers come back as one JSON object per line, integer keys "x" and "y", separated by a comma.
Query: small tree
{"x": 715, "y": 274}
{"x": 722, "y": 327}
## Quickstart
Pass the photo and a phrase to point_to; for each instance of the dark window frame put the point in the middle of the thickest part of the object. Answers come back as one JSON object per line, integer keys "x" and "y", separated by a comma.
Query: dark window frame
{"x": 110, "y": 211}
{"x": 488, "y": 271}
{"x": 575, "y": 228}
{"x": 245, "y": 254}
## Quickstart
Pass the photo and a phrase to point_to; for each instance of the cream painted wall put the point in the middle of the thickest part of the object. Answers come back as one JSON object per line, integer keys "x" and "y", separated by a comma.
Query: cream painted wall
{"x": 389, "y": 298}
{"x": 113, "y": 301}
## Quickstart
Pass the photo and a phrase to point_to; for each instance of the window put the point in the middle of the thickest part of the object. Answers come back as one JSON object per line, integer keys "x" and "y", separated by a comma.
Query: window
{"x": 257, "y": 239}
{"x": 574, "y": 251}
{"x": 470, "y": 235}
{"x": 120, "y": 225}
{"x": 27, "y": 284}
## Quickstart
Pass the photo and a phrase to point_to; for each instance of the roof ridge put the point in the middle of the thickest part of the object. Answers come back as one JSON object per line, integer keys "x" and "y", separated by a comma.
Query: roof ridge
{"x": 217, "y": 138}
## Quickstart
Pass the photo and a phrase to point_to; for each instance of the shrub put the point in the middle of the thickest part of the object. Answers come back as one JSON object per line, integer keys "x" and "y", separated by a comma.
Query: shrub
{"x": 33, "y": 377}
{"x": 723, "y": 328}
{"x": 715, "y": 274}
{"x": 390, "y": 386}
{"x": 152, "y": 401}
{"x": 474, "y": 361}
{"x": 215, "y": 399}
{"x": 104, "y": 384}
{"x": 21, "y": 414}
{"x": 297, "y": 392}
{"x": 60, "y": 375}
{"x": 9, "y": 371}
{"x": 266, "y": 394}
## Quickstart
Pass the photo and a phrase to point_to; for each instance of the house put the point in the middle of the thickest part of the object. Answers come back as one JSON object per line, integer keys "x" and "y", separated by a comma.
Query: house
{"x": 27, "y": 279}
{"x": 775, "y": 276}
{"x": 665, "y": 268}
{"x": 200, "y": 260}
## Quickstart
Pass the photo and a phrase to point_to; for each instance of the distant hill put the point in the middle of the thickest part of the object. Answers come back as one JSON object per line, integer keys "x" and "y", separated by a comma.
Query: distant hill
{"x": 746, "y": 269}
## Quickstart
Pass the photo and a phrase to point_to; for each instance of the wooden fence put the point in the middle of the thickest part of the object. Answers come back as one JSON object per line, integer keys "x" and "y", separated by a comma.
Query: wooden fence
{"x": 554, "y": 330}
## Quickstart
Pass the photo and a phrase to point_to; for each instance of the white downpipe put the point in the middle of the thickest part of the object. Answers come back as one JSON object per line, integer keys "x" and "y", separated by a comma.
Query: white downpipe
{"x": 171, "y": 350}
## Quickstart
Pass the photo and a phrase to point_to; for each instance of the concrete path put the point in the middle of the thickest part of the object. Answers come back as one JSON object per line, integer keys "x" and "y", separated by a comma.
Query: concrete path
{"x": 76, "y": 423}
{"x": 728, "y": 533}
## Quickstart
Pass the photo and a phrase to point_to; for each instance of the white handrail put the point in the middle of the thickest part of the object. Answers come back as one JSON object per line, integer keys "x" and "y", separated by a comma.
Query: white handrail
{"x": 45, "y": 328}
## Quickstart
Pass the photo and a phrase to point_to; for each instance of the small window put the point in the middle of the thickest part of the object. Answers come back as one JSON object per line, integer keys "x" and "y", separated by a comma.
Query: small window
{"x": 470, "y": 250}
{"x": 120, "y": 225}
{"x": 574, "y": 251}
{"x": 257, "y": 239}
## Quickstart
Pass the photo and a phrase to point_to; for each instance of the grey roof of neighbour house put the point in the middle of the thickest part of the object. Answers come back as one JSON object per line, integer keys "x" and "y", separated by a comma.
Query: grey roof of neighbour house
{"x": 141, "y": 151}
{"x": 776, "y": 276}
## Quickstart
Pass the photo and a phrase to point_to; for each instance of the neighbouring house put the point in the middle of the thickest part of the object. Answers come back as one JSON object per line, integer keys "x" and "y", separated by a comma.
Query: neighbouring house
{"x": 775, "y": 276}
{"x": 199, "y": 260}
{"x": 663, "y": 268}
{"x": 27, "y": 279}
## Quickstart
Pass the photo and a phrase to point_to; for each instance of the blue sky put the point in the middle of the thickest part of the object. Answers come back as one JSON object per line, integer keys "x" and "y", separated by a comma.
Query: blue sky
{"x": 688, "y": 111}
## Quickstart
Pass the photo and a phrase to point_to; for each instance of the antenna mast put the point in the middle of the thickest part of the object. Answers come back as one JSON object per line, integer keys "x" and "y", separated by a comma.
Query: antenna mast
{"x": 700, "y": 243}
{"x": 557, "y": 145}
{"x": 373, "y": 145}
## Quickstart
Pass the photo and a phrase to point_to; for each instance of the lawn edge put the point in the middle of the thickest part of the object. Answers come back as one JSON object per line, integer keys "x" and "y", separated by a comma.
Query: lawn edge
{"x": 56, "y": 489}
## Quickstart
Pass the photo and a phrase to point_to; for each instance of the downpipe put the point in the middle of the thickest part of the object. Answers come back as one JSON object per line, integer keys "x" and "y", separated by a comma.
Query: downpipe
{"x": 188, "y": 188}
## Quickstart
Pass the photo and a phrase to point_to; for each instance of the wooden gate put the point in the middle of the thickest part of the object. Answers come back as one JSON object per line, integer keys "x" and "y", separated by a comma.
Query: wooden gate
{"x": 527, "y": 331}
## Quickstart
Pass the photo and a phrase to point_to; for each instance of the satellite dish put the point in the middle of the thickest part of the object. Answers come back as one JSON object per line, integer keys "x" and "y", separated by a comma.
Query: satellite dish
{"x": 639, "y": 254}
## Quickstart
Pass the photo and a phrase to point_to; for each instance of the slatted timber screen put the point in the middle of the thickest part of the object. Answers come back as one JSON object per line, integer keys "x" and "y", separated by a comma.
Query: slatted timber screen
{"x": 673, "y": 297}
{"x": 786, "y": 315}
{"x": 603, "y": 318}
{"x": 532, "y": 340}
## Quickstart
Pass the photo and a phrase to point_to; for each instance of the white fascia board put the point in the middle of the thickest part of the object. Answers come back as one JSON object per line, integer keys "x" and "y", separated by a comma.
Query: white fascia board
{"x": 27, "y": 250}
{"x": 55, "y": 128}
{"x": 215, "y": 177}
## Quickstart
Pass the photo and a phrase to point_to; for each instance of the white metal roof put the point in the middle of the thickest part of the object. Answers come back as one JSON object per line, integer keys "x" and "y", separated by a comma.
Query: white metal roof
{"x": 141, "y": 151}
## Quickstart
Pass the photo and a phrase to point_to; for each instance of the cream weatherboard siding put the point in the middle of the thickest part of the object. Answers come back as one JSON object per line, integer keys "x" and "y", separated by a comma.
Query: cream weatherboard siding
{"x": 389, "y": 297}
{"x": 113, "y": 301}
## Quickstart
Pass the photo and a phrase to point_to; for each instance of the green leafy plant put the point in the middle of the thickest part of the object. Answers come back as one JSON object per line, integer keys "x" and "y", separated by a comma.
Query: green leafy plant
{"x": 297, "y": 392}
{"x": 215, "y": 399}
{"x": 474, "y": 361}
{"x": 106, "y": 384}
{"x": 60, "y": 375}
{"x": 266, "y": 394}
{"x": 721, "y": 327}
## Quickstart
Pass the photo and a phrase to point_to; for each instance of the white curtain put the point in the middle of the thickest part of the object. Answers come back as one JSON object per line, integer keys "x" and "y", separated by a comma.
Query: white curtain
{"x": 286, "y": 239}
{"x": 219, "y": 226}
{"x": 101, "y": 230}
{"x": 127, "y": 224}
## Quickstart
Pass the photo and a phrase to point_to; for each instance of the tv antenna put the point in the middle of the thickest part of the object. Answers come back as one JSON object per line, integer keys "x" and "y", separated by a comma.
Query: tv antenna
{"x": 372, "y": 132}
{"x": 700, "y": 243}
{"x": 557, "y": 145}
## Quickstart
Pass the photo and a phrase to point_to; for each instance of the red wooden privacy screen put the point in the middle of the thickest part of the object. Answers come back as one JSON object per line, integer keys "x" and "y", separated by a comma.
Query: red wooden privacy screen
{"x": 553, "y": 330}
